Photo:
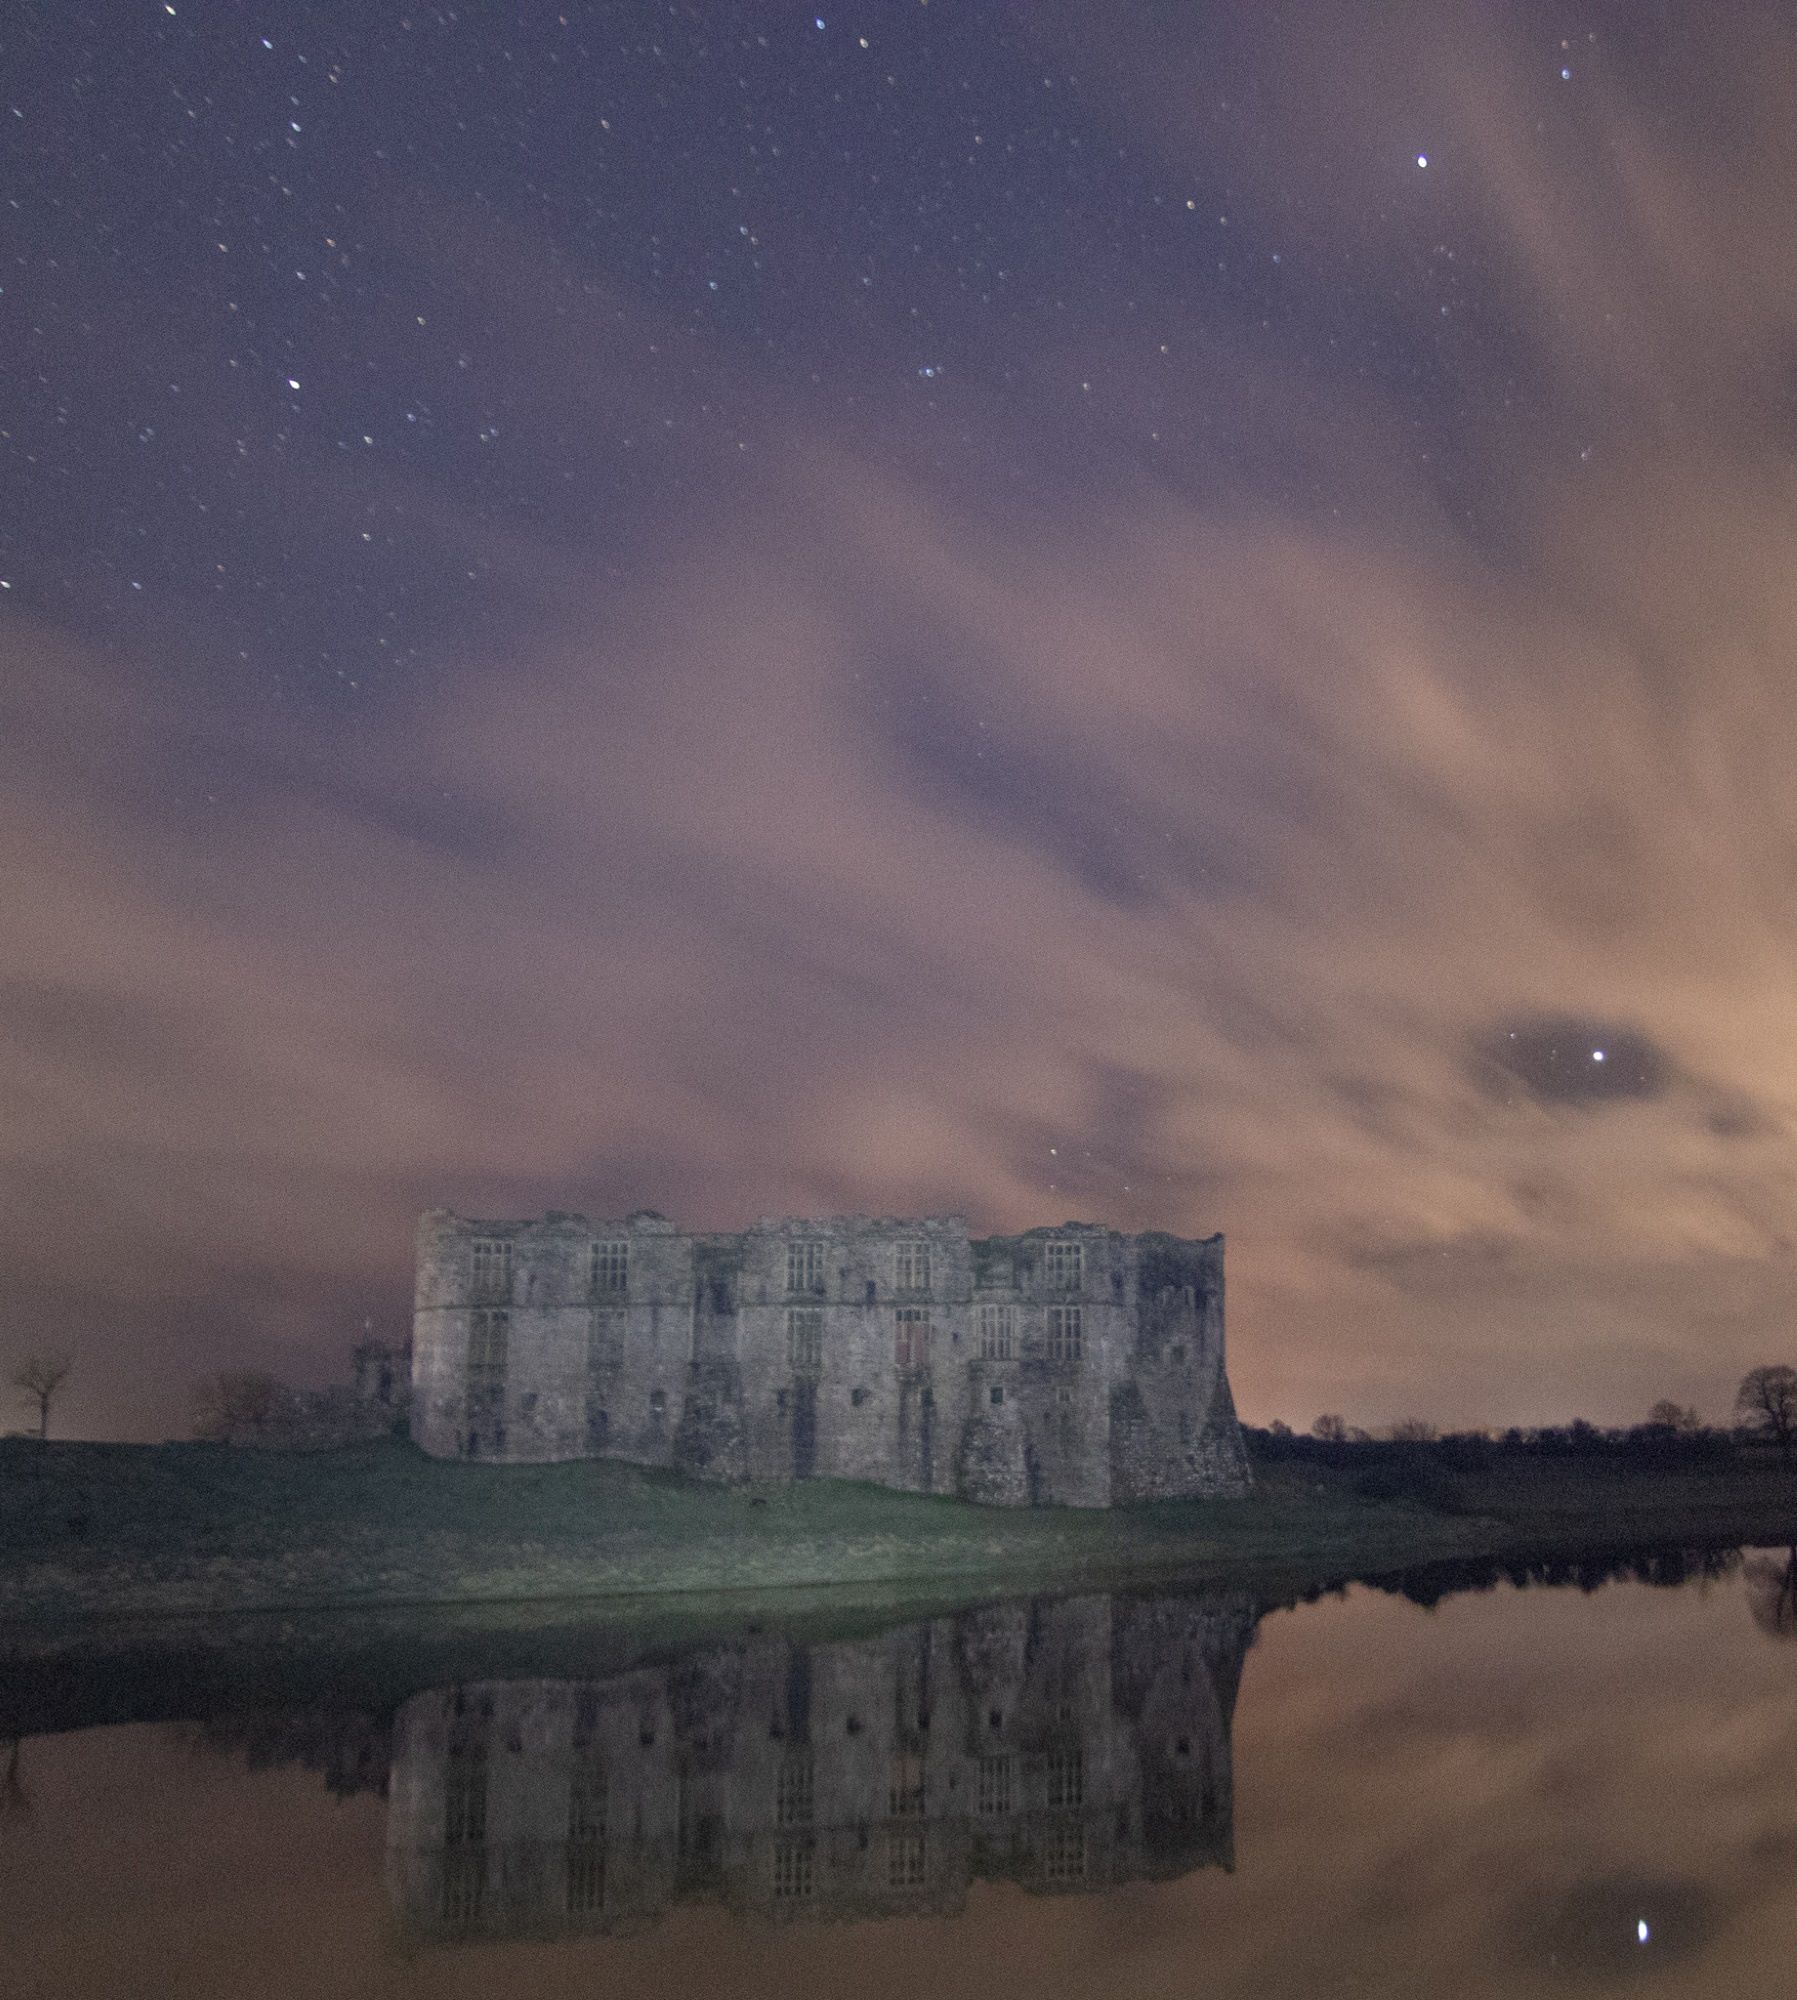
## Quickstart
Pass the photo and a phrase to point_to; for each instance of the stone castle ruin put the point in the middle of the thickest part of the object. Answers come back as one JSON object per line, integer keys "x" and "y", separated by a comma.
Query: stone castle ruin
{"x": 1074, "y": 1366}
{"x": 1063, "y": 1746}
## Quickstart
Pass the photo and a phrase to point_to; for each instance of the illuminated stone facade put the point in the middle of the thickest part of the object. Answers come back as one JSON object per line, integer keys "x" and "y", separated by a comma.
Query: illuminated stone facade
{"x": 1075, "y": 1366}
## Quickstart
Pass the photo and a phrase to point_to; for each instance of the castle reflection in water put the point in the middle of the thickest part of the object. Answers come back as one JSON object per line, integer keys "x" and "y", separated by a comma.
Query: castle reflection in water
{"x": 1063, "y": 1745}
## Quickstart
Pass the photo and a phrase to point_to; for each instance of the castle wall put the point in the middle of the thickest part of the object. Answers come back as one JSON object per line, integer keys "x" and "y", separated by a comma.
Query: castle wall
{"x": 1073, "y": 1366}
{"x": 1064, "y": 1746}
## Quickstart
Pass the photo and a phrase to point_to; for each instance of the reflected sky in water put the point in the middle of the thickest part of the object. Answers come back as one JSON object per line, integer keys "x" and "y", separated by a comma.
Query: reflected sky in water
{"x": 1513, "y": 1792}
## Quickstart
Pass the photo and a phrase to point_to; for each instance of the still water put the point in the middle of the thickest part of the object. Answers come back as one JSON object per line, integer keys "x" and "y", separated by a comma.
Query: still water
{"x": 1584, "y": 1786}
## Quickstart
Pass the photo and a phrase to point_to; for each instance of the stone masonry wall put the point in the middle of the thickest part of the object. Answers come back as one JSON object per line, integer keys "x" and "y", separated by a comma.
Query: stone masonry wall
{"x": 1074, "y": 1366}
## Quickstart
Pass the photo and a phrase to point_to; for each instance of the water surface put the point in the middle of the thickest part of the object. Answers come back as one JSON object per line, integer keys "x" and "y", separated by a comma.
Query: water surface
{"x": 1554, "y": 1790}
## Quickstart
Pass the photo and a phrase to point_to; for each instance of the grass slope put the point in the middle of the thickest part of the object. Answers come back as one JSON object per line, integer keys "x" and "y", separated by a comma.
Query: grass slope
{"x": 120, "y": 1530}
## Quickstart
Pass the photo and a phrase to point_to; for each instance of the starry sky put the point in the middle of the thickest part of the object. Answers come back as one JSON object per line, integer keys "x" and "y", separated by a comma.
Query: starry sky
{"x": 1177, "y": 614}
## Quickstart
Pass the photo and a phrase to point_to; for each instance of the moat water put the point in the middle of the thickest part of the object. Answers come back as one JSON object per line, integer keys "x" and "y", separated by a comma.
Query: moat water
{"x": 1578, "y": 1781}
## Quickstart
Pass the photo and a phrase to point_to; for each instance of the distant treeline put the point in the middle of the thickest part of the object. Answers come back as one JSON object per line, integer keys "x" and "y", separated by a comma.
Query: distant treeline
{"x": 1666, "y": 1446}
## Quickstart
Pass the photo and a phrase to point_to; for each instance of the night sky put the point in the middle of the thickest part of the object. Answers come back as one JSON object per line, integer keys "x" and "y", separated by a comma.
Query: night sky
{"x": 1180, "y": 614}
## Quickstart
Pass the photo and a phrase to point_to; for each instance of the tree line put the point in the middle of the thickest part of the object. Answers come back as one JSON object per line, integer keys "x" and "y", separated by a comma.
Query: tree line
{"x": 1764, "y": 1413}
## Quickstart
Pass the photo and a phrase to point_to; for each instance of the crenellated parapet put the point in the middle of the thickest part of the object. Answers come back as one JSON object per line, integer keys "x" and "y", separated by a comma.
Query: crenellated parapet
{"x": 1076, "y": 1365}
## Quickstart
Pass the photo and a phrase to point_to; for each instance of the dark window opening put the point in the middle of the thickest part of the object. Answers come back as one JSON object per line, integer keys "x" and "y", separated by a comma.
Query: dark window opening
{"x": 858, "y": 1397}
{"x": 998, "y": 1394}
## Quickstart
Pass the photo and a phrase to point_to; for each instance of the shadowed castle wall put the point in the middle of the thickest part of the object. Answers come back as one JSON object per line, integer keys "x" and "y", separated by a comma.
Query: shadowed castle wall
{"x": 1066, "y": 1746}
{"x": 1077, "y": 1366}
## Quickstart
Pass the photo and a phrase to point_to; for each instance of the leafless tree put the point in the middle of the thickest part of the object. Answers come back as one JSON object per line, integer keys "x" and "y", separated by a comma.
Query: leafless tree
{"x": 1674, "y": 1416}
{"x": 235, "y": 1406}
{"x": 39, "y": 1377}
{"x": 1331, "y": 1430}
{"x": 1766, "y": 1402}
{"x": 1413, "y": 1430}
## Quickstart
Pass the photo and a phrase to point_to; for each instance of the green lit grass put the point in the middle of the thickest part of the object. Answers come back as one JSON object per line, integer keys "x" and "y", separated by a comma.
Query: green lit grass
{"x": 104, "y": 1530}
{"x": 150, "y": 1529}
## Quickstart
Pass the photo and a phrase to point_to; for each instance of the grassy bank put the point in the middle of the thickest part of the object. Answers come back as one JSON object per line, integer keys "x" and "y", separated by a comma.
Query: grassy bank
{"x": 123, "y": 1530}
{"x": 119, "y": 1531}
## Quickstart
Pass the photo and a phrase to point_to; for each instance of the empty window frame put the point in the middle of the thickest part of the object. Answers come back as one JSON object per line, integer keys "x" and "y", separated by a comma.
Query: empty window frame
{"x": 1066, "y": 1333}
{"x": 998, "y": 1333}
{"x": 911, "y": 1267}
{"x": 805, "y": 1339}
{"x": 611, "y": 1269}
{"x": 911, "y": 1337}
{"x": 492, "y": 1267}
{"x": 805, "y": 1265}
{"x": 489, "y": 1343}
{"x": 605, "y": 1339}
{"x": 1064, "y": 1265}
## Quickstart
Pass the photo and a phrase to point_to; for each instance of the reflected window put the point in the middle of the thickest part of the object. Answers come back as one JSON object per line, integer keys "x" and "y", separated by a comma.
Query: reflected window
{"x": 905, "y": 1859}
{"x": 997, "y": 1791}
{"x": 1064, "y": 1778}
{"x": 792, "y": 1870}
{"x": 465, "y": 1796}
{"x": 1064, "y": 1851}
{"x": 906, "y": 1787}
{"x": 793, "y": 1797}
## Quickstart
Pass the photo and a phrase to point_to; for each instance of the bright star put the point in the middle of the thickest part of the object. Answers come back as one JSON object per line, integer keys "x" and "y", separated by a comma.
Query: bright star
{"x": 293, "y": 381}
{"x": 1641, "y": 1930}
{"x": 1422, "y": 159}
{"x": 1597, "y": 1055}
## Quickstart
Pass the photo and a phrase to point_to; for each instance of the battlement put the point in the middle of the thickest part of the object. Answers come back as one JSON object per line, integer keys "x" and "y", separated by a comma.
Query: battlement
{"x": 1073, "y": 1365}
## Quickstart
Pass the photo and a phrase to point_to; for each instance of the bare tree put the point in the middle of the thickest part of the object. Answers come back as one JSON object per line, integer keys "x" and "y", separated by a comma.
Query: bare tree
{"x": 236, "y": 1406}
{"x": 39, "y": 1377}
{"x": 1413, "y": 1430}
{"x": 1331, "y": 1430}
{"x": 1766, "y": 1402}
{"x": 1672, "y": 1416}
